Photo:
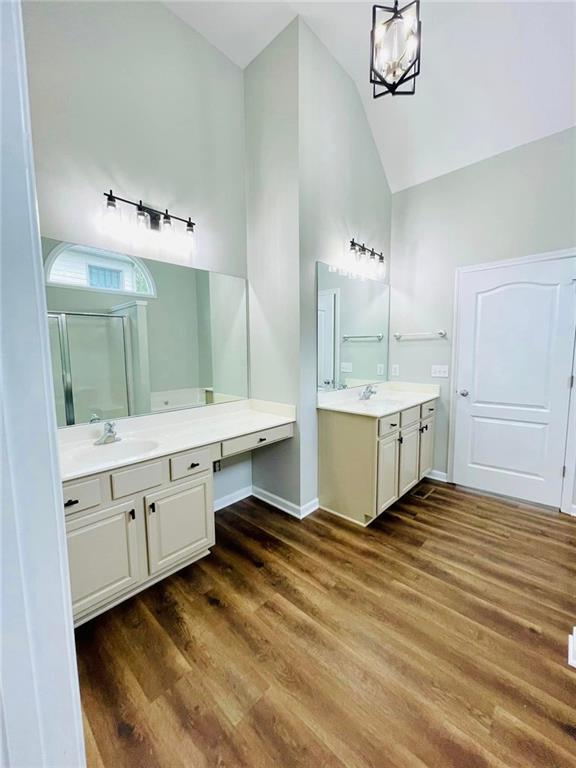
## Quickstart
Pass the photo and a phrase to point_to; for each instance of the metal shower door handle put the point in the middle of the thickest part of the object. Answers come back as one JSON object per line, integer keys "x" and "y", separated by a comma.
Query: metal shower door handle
{"x": 464, "y": 392}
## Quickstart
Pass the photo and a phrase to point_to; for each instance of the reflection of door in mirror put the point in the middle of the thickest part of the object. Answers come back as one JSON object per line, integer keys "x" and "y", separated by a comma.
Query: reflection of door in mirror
{"x": 327, "y": 348}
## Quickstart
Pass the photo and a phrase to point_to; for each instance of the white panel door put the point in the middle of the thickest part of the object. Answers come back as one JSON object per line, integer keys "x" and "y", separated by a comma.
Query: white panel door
{"x": 326, "y": 339}
{"x": 514, "y": 360}
{"x": 180, "y": 522}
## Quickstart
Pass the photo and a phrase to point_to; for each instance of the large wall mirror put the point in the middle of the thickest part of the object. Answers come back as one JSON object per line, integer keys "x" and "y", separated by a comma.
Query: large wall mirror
{"x": 353, "y": 325}
{"x": 134, "y": 336}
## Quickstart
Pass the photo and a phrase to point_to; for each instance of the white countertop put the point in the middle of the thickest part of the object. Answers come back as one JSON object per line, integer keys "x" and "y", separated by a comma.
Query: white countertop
{"x": 149, "y": 437}
{"x": 391, "y": 397}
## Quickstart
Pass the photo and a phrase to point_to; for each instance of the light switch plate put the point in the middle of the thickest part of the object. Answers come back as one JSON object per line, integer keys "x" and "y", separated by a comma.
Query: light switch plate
{"x": 380, "y": 369}
{"x": 395, "y": 370}
{"x": 439, "y": 372}
{"x": 346, "y": 367}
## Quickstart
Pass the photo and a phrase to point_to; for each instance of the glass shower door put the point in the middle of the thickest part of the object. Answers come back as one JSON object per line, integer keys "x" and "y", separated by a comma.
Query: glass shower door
{"x": 57, "y": 369}
{"x": 97, "y": 366}
{"x": 89, "y": 367}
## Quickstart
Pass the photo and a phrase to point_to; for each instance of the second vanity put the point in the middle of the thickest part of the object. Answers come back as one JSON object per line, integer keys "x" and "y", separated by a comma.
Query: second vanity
{"x": 141, "y": 508}
{"x": 371, "y": 452}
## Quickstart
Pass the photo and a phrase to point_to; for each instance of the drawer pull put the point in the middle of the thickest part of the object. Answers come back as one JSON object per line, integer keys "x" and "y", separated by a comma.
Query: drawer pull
{"x": 194, "y": 465}
{"x": 261, "y": 439}
{"x": 430, "y": 410}
{"x": 400, "y": 439}
{"x": 132, "y": 514}
{"x": 71, "y": 502}
{"x": 152, "y": 507}
{"x": 393, "y": 425}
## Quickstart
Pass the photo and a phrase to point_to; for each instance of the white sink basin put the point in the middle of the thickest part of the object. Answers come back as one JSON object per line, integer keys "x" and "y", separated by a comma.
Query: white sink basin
{"x": 124, "y": 449}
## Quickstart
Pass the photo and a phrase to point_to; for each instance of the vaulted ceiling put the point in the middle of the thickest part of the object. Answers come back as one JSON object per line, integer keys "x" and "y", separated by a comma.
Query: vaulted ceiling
{"x": 495, "y": 75}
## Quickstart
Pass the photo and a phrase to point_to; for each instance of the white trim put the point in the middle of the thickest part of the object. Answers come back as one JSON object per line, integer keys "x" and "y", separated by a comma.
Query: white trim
{"x": 64, "y": 246}
{"x": 568, "y": 499}
{"x": 572, "y": 648}
{"x": 41, "y": 710}
{"x": 435, "y": 474}
{"x": 564, "y": 253}
{"x": 284, "y": 505}
{"x": 232, "y": 498}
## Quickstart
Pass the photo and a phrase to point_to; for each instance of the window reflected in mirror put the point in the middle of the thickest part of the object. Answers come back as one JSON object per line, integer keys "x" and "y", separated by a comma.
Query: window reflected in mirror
{"x": 352, "y": 326}
{"x": 132, "y": 336}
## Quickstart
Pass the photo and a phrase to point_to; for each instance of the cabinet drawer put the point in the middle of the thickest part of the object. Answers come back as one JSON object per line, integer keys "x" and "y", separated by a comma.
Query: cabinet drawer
{"x": 129, "y": 481}
{"x": 189, "y": 463}
{"x": 256, "y": 440}
{"x": 388, "y": 425}
{"x": 428, "y": 409}
{"x": 410, "y": 416}
{"x": 82, "y": 495}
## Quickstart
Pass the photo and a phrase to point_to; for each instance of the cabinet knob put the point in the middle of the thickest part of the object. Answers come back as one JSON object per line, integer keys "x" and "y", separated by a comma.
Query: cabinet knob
{"x": 400, "y": 439}
{"x": 132, "y": 514}
{"x": 194, "y": 465}
{"x": 71, "y": 502}
{"x": 261, "y": 439}
{"x": 152, "y": 507}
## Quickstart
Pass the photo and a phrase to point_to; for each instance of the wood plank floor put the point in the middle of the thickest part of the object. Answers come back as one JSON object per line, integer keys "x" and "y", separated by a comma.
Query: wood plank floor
{"x": 435, "y": 638}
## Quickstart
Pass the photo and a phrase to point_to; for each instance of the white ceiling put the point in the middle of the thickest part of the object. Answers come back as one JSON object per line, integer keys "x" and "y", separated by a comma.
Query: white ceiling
{"x": 495, "y": 75}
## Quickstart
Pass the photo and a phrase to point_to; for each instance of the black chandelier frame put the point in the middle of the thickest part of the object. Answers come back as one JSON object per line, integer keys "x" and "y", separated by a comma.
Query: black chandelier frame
{"x": 408, "y": 79}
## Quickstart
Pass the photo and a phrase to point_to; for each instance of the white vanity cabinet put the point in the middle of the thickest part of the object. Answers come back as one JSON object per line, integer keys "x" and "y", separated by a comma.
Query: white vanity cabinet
{"x": 179, "y": 523}
{"x": 132, "y": 525}
{"x": 367, "y": 463}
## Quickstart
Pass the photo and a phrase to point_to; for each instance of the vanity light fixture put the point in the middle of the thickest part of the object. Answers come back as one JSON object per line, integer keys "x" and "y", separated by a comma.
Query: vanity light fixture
{"x": 369, "y": 263}
{"x": 146, "y": 216}
{"x": 395, "y": 43}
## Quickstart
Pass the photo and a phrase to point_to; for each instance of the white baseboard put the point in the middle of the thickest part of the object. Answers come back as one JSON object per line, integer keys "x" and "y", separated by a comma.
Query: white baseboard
{"x": 435, "y": 474}
{"x": 232, "y": 498}
{"x": 283, "y": 504}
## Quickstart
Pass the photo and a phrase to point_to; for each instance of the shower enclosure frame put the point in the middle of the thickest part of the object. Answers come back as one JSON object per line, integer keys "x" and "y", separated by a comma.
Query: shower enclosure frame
{"x": 61, "y": 318}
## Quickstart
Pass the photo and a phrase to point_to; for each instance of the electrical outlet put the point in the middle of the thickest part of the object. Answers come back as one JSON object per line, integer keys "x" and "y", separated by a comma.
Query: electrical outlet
{"x": 439, "y": 371}
{"x": 346, "y": 367}
{"x": 395, "y": 371}
{"x": 216, "y": 466}
{"x": 380, "y": 369}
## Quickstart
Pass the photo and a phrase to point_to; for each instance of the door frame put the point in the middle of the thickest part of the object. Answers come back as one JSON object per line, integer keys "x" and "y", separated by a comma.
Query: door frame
{"x": 565, "y": 253}
{"x": 336, "y": 293}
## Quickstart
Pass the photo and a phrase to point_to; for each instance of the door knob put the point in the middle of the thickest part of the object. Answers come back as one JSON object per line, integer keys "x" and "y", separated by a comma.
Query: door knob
{"x": 464, "y": 392}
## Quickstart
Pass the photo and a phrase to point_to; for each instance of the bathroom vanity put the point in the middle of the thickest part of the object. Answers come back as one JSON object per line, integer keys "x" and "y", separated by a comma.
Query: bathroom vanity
{"x": 371, "y": 452}
{"x": 141, "y": 508}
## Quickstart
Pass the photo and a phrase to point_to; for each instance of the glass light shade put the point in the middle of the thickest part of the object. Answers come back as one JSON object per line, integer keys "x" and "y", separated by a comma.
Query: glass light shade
{"x": 142, "y": 219}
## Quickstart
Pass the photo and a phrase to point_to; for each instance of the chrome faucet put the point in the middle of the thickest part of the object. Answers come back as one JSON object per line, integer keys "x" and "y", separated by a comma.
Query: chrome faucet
{"x": 367, "y": 392}
{"x": 109, "y": 435}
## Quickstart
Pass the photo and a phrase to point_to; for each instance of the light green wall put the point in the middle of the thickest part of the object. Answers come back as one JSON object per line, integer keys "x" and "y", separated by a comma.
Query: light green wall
{"x": 315, "y": 181}
{"x": 125, "y": 95}
{"x": 515, "y": 204}
{"x": 271, "y": 86}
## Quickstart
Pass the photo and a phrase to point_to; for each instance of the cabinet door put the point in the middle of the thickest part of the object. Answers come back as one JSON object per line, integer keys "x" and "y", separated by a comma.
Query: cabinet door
{"x": 426, "y": 447}
{"x": 102, "y": 555}
{"x": 409, "y": 456}
{"x": 179, "y": 522}
{"x": 388, "y": 450}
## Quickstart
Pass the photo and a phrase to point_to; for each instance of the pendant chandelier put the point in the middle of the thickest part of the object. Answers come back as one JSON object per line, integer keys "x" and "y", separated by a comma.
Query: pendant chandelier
{"x": 395, "y": 49}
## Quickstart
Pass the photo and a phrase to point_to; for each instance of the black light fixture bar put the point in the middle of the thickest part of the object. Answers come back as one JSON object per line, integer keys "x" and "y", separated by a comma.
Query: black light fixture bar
{"x": 362, "y": 249}
{"x": 111, "y": 197}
